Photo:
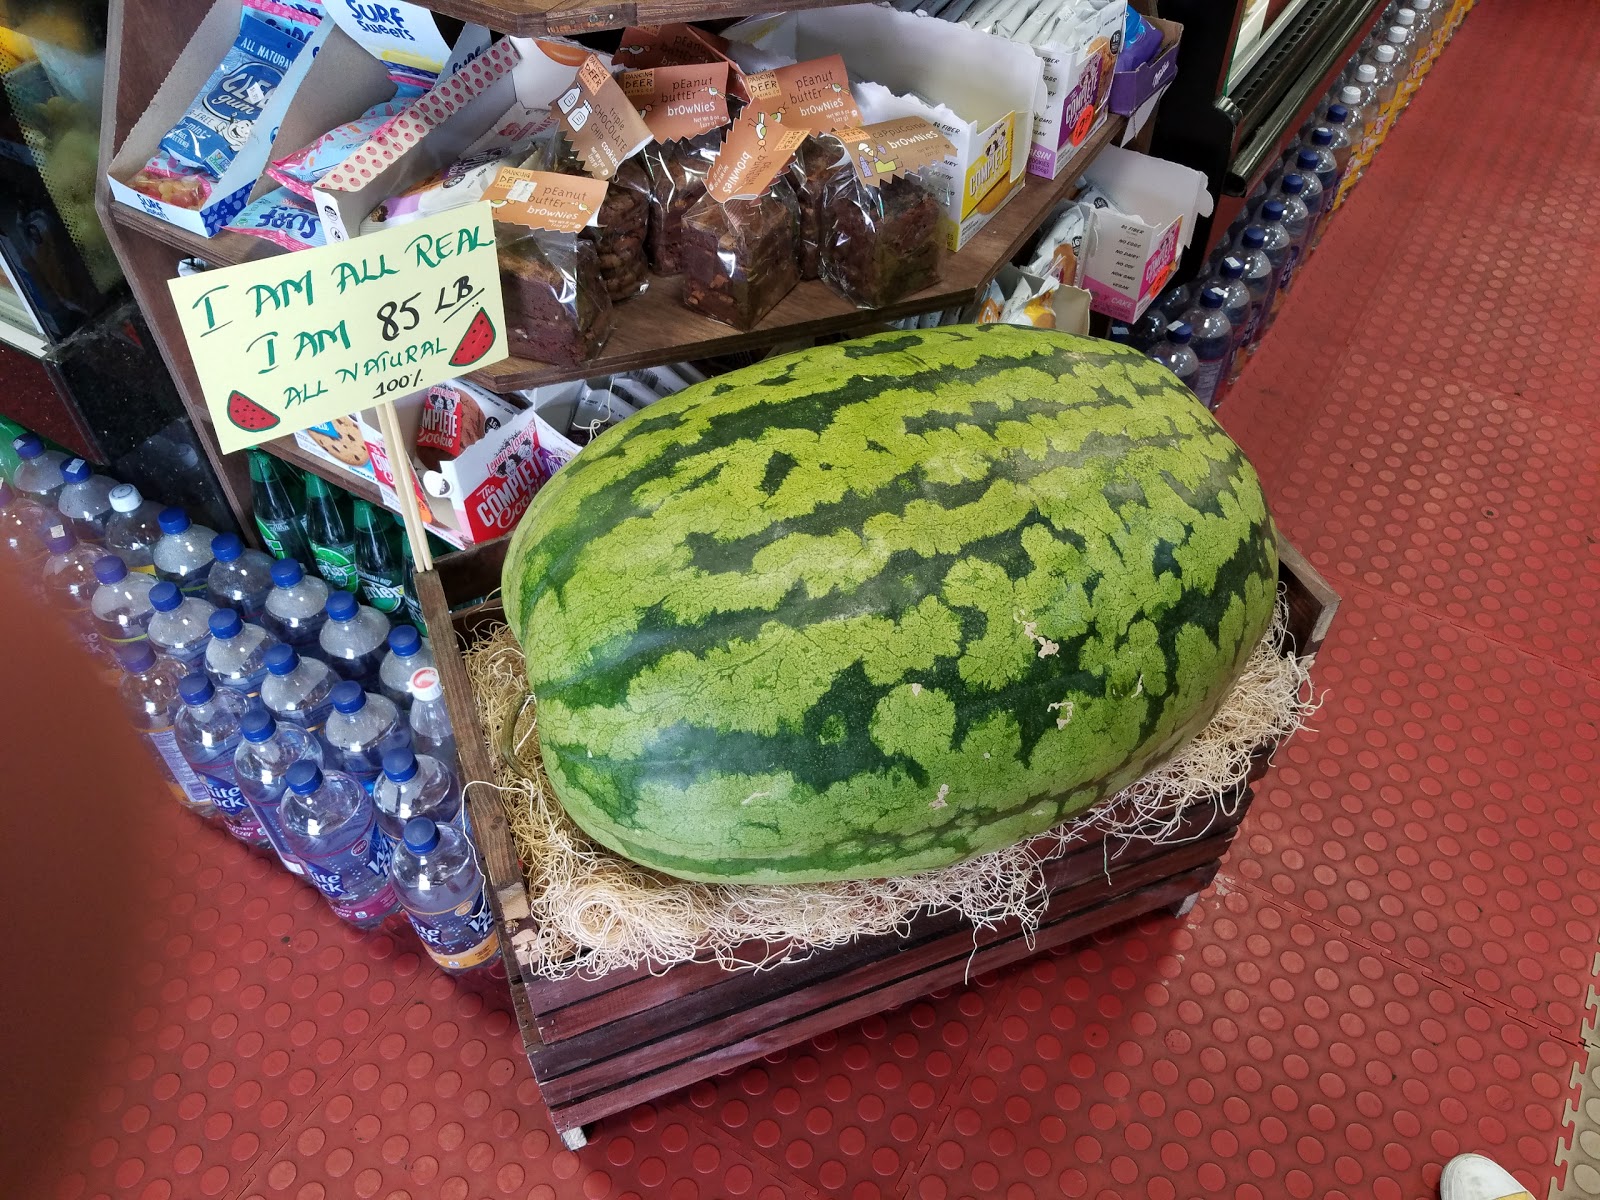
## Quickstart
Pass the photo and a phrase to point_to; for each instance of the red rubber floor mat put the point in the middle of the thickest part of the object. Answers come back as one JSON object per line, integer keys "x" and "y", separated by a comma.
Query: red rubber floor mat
{"x": 1396, "y": 963}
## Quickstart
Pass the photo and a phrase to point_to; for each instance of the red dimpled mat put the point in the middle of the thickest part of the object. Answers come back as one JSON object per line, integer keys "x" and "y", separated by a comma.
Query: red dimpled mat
{"x": 1397, "y": 962}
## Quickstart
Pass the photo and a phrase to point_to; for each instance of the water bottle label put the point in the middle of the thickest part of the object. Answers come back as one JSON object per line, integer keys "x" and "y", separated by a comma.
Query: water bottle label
{"x": 1207, "y": 378}
{"x": 368, "y": 909}
{"x": 187, "y": 785}
{"x": 383, "y": 594}
{"x": 337, "y": 565}
{"x": 225, "y": 793}
{"x": 459, "y": 938}
{"x": 340, "y": 876}
{"x": 267, "y": 813}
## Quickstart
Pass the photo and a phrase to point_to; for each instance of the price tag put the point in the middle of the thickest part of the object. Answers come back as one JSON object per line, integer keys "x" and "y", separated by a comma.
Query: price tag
{"x": 298, "y": 339}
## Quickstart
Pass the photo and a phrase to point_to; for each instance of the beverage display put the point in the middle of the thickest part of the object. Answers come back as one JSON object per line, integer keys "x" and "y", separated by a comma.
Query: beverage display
{"x": 183, "y": 555}
{"x": 1175, "y": 355}
{"x": 413, "y": 606}
{"x": 296, "y": 607}
{"x": 22, "y": 527}
{"x": 331, "y": 826}
{"x": 361, "y": 728}
{"x": 180, "y": 627}
{"x": 415, "y": 785}
{"x": 236, "y": 656}
{"x": 69, "y": 583}
{"x": 278, "y": 517}
{"x": 149, "y": 694}
{"x": 1278, "y": 245}
{"x": 133, "y": 528}
{"x": 207, "y": 731}
{"x": 1260, "y": 279}
{"x": 378, "y": 562}
{"x": 436, "y": 876}
{"x": 332, "y": 543}
{"x": 408, "y": 654}
{"x": 297, "y": 691}
{"x": 1237, "y": 306}
{"x": 121, "y": 604}
{"x": 1212, "y": 343}
{"x": 355, "y": 638}
{"x": 261, "y": 764}
{"x": 1312, "y": 194}
{"x": 84, "y": 500}
{"x": 240, "y": 578}
{"x": 429, "y": 719}
{"x": 1296, "y": 222}
{"x": 38, "y": 473}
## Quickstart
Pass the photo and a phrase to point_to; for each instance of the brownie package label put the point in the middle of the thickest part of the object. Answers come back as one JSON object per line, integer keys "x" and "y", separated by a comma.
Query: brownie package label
{"x": 755, "y": 151}
{"x": 890, "y": 148}
{"x": 600, "y": 121}
{"x": 545, "y": 200}
{"x": 675, "y": 46}
{"x": 813, "y": 96}
{"x": 681, "y": 101}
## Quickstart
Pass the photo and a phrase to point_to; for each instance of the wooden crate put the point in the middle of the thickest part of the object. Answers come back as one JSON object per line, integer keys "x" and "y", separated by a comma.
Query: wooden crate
{"x": 600, "y": 1046}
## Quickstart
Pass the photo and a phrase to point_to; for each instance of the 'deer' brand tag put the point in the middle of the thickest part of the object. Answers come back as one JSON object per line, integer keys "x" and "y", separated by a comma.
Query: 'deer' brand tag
{"x": 545, "y": 200}
{"x": 893, "y": 148}
{"x": 813, "y": 96}
{"x": 679, "y": 102}
{"x": 675, "y": 46}
{"x": 600, "y": 121}
{"x": 755, "y": 151}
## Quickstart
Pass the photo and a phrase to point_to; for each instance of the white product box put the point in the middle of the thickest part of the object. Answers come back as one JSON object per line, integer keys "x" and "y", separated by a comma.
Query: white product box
{"x": 979, "y": 90}
{"x": 1130, "y": 252}
{"x": 1078, "y": 87}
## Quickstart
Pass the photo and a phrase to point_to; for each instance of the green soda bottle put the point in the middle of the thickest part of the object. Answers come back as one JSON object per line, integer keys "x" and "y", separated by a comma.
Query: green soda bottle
{"x": 331, "y": 540}
{"x": 413, "y": 605}
{"x": 281, "y": 523}
{"x": 383, "y": 575}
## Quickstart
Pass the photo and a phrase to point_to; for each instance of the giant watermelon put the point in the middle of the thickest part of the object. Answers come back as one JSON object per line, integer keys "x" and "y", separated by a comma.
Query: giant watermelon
{"x": 875, "y": 608}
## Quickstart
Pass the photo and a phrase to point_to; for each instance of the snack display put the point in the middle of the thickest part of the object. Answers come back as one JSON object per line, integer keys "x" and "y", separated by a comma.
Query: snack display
{"x": 815, "y": 162}
{"x": 739, "y": 255}
{"x": 283, "y": 219}
{"x": 677, "y": 175}
{"x": 300, "y": 170}
{"x": 619, "y": 235}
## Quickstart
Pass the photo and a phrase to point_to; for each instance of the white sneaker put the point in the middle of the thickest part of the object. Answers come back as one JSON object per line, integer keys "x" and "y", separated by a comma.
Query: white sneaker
{"x": 1474, "y": 1177}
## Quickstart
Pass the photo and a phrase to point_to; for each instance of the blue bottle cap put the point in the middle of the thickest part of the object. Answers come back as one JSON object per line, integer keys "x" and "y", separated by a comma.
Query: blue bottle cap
{"x": 1272, "y": 210}
{"x": 348, "y": 697}
{"x": 303, "y": 778}
{"x": 257, "y": 725}
{"x": 59, "y": 539}
{"x": 287, "y": 572}
{"x": 1338, "y": 114}
{"x": 173, "y": 520}
{"x": 1253, "y": 238}
{"x": 27, "y": 446}
{"x": 1179, "y": 333}
{"x": 226, "y": 547}
{"x": 404, "y": 640}
{"x": 224, "y": 623}
{"x": 400, "y": 765}
{"x": 110, "y": 569}
{"x": 1231, "y": 268}
{"x": 165, "y": 596}
{"x": 195, "y": 688}
{"x": 136, "y": 656}
{"x": 1213, "y": 297}
{"x": 1322, "y": 136}
{"x": 1293, "y": 184}
{"x": 341, "y": 605}
{"x": 75, "y": 470}
{"x": 421, "y": 835}
{"x": 1306, "y": 160}
{"x": 281, "y": 660}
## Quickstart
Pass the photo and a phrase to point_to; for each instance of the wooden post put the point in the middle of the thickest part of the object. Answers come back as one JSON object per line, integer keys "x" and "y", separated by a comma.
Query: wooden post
{"x": 405, "y": 486}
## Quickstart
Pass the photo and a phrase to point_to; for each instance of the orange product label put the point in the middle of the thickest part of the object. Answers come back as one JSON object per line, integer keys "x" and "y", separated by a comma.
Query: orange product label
{"x": 466, "y": 959}
{"x": 679, "y": 102}
{"x": 891, "y": 148}
{"x": 600, "y": 121}
{"x": 814, "y": 95}
{"x": 545, "y": 200}
{"x": 756, "y": 150}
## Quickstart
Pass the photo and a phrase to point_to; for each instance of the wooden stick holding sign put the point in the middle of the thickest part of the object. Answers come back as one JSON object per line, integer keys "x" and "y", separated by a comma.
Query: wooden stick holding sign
{"x": 288, "y": 342}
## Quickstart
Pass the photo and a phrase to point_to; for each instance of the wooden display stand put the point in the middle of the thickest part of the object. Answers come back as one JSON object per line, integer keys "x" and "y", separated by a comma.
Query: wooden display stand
{"x": 599, "y": 1046}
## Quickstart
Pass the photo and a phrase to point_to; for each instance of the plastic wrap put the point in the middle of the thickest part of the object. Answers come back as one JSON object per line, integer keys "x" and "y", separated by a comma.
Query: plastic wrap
{"x": 619, "y": 236}
{"x": 880, "y": 244}
{"x": 677, "y": 178}
{"x": 817, "y": 160}
{"x": 557, "y": 309}
{"x": 739, "y": 256}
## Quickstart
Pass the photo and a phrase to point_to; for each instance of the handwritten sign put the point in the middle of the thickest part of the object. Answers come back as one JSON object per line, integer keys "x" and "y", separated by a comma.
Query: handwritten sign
{"x": 295, "y": 340}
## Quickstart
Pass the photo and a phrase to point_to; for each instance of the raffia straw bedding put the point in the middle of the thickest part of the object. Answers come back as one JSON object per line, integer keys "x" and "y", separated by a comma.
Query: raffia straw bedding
{"x": 597, "y": 912}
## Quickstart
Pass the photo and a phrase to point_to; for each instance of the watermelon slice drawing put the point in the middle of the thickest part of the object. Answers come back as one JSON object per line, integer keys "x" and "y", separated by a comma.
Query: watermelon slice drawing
{"x": 248, "y": 415}
{"x": 475, "y": 343}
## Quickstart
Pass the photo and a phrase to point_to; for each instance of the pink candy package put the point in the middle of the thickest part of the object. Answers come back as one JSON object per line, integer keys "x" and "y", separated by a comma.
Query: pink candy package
{"x": 300, "y": 171}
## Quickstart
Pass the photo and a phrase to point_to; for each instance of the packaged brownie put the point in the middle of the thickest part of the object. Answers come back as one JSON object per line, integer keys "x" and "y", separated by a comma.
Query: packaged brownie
{"x": 619, "y": 231}
{"x": 685, "y": 107}
{"x": 880, "y": 223}
{"x": 557, "y": 307}
{"x": 739, "y": 238}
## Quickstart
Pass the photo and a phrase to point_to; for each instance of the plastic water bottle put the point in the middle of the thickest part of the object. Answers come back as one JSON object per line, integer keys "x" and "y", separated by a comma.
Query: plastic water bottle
{"x": 415, "y": 785}
{"x": 240, "y": 578}
{"x": 1260, "y": 278}
{"x": 133, "y": 528}
{"x": 1175, "y": 300}
{"x": 1296, "y": 221}
{"x": 1324, "y": 166}
{"x": 181, "y": 626}
{"x": 1175, "y": 355}
{"x": 121, "y": 604}
{"x": 296, "y": 607}
{"x": 431, "y": 731}
{"x": 361, "y": 728}
{"x": 183, "y": 555}
{"x": 355, "y": 639}
{"x": 1145, "y": 334}
{"x": 1278, "y": 246}
{"x": 1366, "y": 84}
{"x": 261, "y": 764}
{"x": 236, "y": 656}
{"x": 1343, "y": 121}
{"x": 1239, "y": 308}
{"x": 149, "y": 694}
{"x": 408, "y": 654}
{"x": 22, "y": 532}
{"x": 298, "y": 691}
{"x": 207, "y": 731}
{"x": 332, "y": 827}
{"x": 85, "y": 500}
{"x": 38, "y": 474}
{"x": 1212, "y": 344}
{"x": 1385, "y": 88}
{"x": 69, "y": 584}
{"x": 1422, "y": 52}
{"x": 436, "y": 875}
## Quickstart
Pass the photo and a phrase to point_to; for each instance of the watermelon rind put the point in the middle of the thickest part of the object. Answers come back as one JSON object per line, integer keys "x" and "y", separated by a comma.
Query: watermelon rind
{"x": 877, "y": 607}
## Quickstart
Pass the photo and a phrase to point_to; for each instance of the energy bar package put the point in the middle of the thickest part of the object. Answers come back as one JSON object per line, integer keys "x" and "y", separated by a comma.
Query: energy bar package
{"x": 283, "y": 219}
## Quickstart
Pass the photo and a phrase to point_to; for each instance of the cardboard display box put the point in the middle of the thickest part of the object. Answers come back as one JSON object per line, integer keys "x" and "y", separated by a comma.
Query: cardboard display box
{"x": 1131, "y": 90}
{"x": 1078, "y": 89}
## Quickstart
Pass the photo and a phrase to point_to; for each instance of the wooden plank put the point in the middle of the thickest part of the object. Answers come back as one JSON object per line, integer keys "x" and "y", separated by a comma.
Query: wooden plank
{"x": 656, "y": 328}
{"x": 223, "y": 250}
{"x": 873, "y": 998}
{"x": 1312, "y": 603}
{"x": 290, "y": 451}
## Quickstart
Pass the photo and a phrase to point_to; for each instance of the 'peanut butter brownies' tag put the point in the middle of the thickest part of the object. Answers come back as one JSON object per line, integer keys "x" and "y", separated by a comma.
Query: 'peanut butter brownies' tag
{"x": 756, "y": 150}
{"x": 814, "y": 95}
{"x": 600, "y": 120}
{"x": 679, "y": 102}
{"x": 545, "y": 200}
{"x": 890, "y": 148}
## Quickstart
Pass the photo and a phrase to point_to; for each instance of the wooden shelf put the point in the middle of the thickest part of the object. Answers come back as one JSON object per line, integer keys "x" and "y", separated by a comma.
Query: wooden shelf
{"x": 291, "y": 452}
{"x": 532, "y": 17}
{"x": 224, "y": 250}
{"x": 655, "y": 328}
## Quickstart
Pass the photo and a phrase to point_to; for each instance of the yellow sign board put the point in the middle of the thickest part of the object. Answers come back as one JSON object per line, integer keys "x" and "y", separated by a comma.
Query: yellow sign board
{"x": 299, "y": 339}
